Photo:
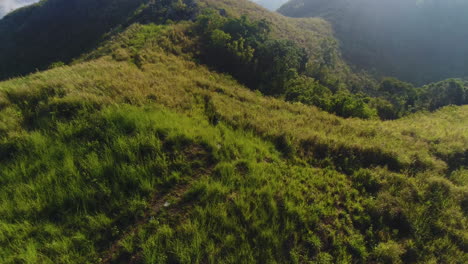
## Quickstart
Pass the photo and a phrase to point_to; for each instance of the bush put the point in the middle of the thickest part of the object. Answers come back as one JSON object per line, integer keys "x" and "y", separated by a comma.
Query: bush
{"x": 278, "y": 61}
{"x": 385, "y": 109}
{"x": 346, "y": 104}
{"x": 388, "y": 253}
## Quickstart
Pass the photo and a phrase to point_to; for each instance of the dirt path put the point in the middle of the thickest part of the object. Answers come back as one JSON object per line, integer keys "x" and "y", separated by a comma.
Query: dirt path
{"x": 192, "y": 153}
{"x": 159, "y": 200}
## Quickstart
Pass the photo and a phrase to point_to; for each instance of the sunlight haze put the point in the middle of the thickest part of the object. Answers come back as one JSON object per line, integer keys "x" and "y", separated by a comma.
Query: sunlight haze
{"x": 6, "y": 6}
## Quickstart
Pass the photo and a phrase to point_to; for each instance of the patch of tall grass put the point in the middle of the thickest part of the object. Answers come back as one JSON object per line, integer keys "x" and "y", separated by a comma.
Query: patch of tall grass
{"x": 86, "y": 149}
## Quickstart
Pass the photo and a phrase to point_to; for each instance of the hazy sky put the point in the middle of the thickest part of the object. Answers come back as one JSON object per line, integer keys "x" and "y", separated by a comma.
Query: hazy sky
{"x": 270, "y": 4}
{"x": 9, "y": 5}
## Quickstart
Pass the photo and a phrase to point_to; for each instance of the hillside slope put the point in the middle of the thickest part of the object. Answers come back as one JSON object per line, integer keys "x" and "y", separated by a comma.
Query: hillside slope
{"x": 53, "y": 31}
{"x": 417, "y": 41}
{"x": 65, "y": 37}
{"x": 149, "y": 147}
{"x": 138, "y": 154}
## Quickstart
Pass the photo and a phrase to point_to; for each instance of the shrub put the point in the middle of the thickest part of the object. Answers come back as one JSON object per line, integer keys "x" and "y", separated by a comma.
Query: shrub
{"x": 388, "y": 252}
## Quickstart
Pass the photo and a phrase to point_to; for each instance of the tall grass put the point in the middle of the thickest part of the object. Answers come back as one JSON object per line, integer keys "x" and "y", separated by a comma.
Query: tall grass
{"x": 91, "y": 153}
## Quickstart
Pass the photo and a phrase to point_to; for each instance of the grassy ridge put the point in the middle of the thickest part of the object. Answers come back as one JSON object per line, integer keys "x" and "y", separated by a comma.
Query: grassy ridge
{"x": 91, "y": 153}
{"x": 266, "y": 115}
{"x": 396, "y": 144}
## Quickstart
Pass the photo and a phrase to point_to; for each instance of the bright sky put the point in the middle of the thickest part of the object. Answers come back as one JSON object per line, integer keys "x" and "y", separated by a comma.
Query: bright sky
{"x": 7, "y": 6}
{"x": 270, "y": 4}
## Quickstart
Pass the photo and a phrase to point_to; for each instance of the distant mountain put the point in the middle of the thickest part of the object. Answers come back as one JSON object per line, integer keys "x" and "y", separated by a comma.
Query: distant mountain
{"x": 419, "y": 41}
{"x": 271, "y": 4}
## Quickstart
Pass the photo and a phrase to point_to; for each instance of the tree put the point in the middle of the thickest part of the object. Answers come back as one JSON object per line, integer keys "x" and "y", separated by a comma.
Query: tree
{"x": 308, "y": 91}
{"x": 402, "y": 95}
{"x": 346, "y": 104}
{"x": 162, "y": 11}
{"x": 242, "y": 48}
{"x": 277, "y": 62}
{"x": 456, "y": 92}
{"x": 451, "y": 91}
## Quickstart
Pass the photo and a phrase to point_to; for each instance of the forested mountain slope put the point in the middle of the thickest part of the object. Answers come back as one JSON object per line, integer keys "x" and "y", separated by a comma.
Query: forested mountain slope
{"x": 69, "y": 28}
{"x": 53, "y": 31}
{"x": 149, "y": 149}
{"x": 419, "y": 41}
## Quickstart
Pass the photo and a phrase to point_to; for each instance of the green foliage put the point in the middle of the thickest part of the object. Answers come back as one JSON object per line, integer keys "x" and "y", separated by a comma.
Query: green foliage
{"x": 163, "y": 11}
{"x": 395, "y": 87}
{"x": 388, "y": 252}
{"x": 309, "y": 91}
{"x": 56, "y": 64}
{"x": 346, "y": 104}
{"x": 385, "y": 109}
{"x": 274, "y": 67}
{"x": 244, "y": 49}
{"x": 448, "y": 92}
{"x": 405, "y": 98}
{"x": 374, "y": 51}
{"x": 278, "y": 61}
{"x": 401, "y": 95}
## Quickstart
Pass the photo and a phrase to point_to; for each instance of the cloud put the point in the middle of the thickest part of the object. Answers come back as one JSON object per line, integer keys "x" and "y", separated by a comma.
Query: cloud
{"x": 6, "y": 6}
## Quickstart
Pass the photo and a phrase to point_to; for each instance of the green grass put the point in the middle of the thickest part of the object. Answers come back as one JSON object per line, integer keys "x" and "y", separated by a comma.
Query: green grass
{"x": 71, "y": 188}
{"x": 90, "y": 153}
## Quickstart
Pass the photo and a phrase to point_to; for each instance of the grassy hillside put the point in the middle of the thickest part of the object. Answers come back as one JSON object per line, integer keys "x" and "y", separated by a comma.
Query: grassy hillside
{"x": 297, "y": 59}
{"x": 137, "y": 154}
{"x": 73, "y": 28}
